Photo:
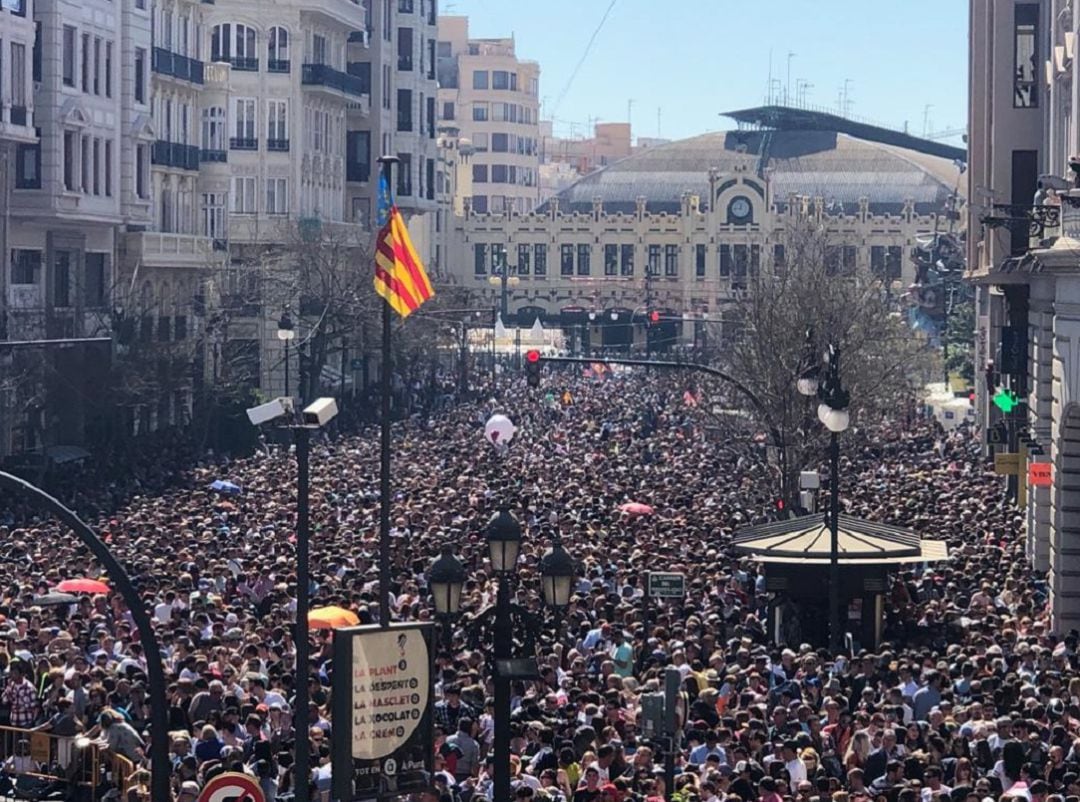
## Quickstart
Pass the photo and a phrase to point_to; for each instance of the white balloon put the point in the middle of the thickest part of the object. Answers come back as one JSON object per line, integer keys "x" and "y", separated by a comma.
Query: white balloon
{"x": 499, "y": 430}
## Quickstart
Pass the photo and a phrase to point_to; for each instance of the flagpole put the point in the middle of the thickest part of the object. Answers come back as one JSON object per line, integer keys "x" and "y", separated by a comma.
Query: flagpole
{"x": 387, "y": 165}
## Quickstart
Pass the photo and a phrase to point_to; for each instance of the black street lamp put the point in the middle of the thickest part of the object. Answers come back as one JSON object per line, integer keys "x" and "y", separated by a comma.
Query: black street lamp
{"x": 833, "y": 413}
{"x": 446, "y": 579}
{"x": 286, "y": 333}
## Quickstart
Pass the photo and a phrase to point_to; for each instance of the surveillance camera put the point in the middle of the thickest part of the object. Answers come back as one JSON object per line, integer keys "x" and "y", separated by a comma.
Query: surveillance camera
{"x": 321, "y": 412}
{"x": 271, "y": 410}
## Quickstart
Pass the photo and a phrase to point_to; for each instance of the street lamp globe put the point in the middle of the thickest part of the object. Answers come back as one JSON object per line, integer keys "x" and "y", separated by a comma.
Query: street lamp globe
{"x": 285, "y": 330}
{"x": 836, "y": 420}
{"x": 614, "y": 315}
{"x": 446, "y": 578}
{"x": 807, "y": 385}
{"x": 557, "y": 573}
{"x": 504, "y": 541}
{"x": 823, "y": 410}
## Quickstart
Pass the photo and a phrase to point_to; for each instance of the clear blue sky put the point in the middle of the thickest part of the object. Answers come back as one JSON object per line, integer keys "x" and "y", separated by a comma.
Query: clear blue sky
{"x": 695, "y": 58}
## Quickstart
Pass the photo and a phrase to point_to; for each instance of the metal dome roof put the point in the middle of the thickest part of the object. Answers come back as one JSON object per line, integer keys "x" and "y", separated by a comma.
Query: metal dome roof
{"x": 837, "y": 167}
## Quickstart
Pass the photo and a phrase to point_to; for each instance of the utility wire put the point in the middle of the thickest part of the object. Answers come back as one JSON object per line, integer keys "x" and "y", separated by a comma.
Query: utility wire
{"x": 581, "y": 61}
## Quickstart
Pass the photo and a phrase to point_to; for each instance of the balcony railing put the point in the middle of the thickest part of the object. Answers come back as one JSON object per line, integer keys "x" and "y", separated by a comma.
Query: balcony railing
{"x": 242, "y": 64}
{"x": 322, "y": 75}
{"x": 212, "y": 155}
{"x": 175, "y": 154}
{"x": 243, "y": 143}
{"x": 165, "y": 62}
{"x": 278, "y": 65}
{"x": 1023, "y": 222}
{"x": 277, "y": 145}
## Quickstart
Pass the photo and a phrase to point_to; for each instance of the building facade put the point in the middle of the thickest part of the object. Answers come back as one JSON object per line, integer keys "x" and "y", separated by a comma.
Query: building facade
{"x": 679, "y": 229}
{"x": 1025, "y": 185}
{"x": 492, "y": 98}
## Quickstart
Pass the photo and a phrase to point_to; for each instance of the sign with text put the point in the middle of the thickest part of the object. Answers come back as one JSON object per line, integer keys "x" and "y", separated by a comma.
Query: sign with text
{"x": 666, "y": 585}
{"x": 1040, "y": 474}
{"x": 383, "y": 692}
{"x": 1007, "y": 463}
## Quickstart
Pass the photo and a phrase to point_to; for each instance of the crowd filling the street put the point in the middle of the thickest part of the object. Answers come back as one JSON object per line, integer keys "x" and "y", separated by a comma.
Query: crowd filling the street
{"x": 970, "y": 696}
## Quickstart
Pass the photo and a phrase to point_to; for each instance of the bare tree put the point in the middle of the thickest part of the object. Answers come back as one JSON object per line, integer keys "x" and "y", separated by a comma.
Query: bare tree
{"x": 820, "y": 287}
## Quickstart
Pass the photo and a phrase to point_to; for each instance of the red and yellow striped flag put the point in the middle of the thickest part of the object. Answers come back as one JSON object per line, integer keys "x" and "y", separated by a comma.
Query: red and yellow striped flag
{"x": 400, "y": 277}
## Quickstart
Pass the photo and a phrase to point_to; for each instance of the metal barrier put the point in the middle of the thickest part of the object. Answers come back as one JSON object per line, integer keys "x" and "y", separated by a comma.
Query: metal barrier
{"x": 31, "y": 759}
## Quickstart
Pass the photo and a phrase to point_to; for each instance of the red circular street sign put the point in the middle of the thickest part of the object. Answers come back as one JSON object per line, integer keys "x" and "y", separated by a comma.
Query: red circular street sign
{"x": 533, "y": 356}
{"x": 232, "y": 787}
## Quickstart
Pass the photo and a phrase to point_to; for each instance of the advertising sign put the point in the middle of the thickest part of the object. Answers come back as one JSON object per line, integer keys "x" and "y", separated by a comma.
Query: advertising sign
{"x": 383, "y": 688}
{"x": 667, "y": 585}
{"x": 1040, "y": 474}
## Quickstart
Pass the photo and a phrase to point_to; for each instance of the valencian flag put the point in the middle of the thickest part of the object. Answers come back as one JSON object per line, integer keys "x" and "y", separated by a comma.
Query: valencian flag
{"x": 400, "y": 277}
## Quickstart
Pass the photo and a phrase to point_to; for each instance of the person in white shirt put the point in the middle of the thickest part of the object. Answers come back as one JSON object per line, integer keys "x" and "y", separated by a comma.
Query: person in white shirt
{"x": 795, "y": 767}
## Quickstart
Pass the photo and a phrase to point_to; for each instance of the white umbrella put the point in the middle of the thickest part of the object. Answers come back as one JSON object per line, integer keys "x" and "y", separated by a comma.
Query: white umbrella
{"x": 536, "y": 333}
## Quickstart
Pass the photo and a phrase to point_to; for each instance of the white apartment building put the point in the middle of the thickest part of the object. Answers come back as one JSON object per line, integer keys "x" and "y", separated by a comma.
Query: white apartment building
{"x": 492, "y": 98}
{"x": 1023, "y": 259}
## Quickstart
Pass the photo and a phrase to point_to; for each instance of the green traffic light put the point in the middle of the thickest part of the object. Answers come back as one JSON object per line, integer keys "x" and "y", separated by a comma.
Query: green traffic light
{"x": 1005, "y": 400}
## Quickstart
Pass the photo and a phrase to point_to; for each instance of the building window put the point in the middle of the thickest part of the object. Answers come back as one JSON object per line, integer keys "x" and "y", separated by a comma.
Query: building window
{"x": 849, "y": 257}
{"x": 779, "y": 259}
{"x": 500, "y": 174}
{"x": 140, "y": 75}
{"x": 498, "y": 258}
{"x": 108, "y": 168}
{"x": 479, "y": 259}
{"x": 94, "y": 295}
{"x": 671, "y": 261}
{"x": 741, "y": 258}
{"x": 70, "y": 157}
{"x": 244, "y": 136}
{"x": 404, "y": 176}
{"x": 479, "y": 204}
{"x": 61, "y": 279}
{"x": 85, "y": 62}
{"x": 38, "y": 51}
{"x": 358, "y": 158}
{"x": 28, "y": 167}
{"x": 479, "y": 173}
{"x": 566, "y": 260}
{"x": 1026, "y": 64}
{"x": 405, "y": 49}
{"x": 108, "y": 68}
{"x": 500, "y": 79}
{"x": 431, "y": 117}
{"x": 479, "y": 79}
{"x": 97, "y": 166}
{"x": 699, "y": 261}
{"x": 611, "y": 260}
{"x": 584, "y": 254}
{"x": 18, "y": 78}
{"x": 404, "y": 110}
{"x": 68, "y": 64}
{"x": 653, "y": 266}
{"x": 500, "y": 143}
{"x": 25, "y": 266}
{"x": 626, "y": 260}
{"x": 479, "y": 112}
{"x": 243, "y": 194}
{"x": 725, "y": 261}
{"x": 277, "y": 196}
{"x": 277, "y": 125}
{"x": 97, "y": 65}
{"x": 540, "y": 259}
{"x": 448, "y": 110}
{"x": 213, "y": 206}
{"x": 213, "y": 128}
{"x": 405, "y": 6}
{"x": 141, "y": 169}
{"x": 277, "y": 51}
{"x": 84, "y": 163}
{"x": 523, "y": 254}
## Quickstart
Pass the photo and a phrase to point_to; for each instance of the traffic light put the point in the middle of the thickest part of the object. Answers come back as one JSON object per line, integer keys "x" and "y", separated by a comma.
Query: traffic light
{"x": 532, "y": 368}
{"x": 654, "y": 317}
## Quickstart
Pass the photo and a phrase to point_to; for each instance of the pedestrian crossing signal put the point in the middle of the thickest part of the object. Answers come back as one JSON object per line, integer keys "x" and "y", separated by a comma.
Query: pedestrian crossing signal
{"x": 532, "y": 368}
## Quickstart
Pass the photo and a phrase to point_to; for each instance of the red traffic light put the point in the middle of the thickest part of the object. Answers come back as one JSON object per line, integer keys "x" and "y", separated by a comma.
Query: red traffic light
{"x": 654, "y": 317}
{"x": 533, "y": 356}
{"x": 780, "y": 504}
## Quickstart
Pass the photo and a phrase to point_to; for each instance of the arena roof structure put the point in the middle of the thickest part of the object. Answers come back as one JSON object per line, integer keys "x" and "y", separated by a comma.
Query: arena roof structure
{"x": 800, "y": 156}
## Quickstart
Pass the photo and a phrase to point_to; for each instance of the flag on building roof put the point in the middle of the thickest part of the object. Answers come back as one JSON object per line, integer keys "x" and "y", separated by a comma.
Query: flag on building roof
{"x": 400, "y": 277}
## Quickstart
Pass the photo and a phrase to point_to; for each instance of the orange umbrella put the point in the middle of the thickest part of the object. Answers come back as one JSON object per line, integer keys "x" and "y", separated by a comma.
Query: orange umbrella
{"x": 636, "y": 508}
{"x": 331, "y": 618}
{"x": 82, "y": 586}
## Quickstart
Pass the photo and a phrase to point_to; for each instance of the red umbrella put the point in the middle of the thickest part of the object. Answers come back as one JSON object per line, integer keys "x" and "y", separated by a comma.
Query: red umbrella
{"x": 82, "y": 586}
{"x": 636, "y": 508}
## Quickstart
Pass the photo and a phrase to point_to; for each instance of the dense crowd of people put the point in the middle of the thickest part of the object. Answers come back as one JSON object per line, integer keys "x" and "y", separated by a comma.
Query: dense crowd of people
{"x": 970, "y": 697}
